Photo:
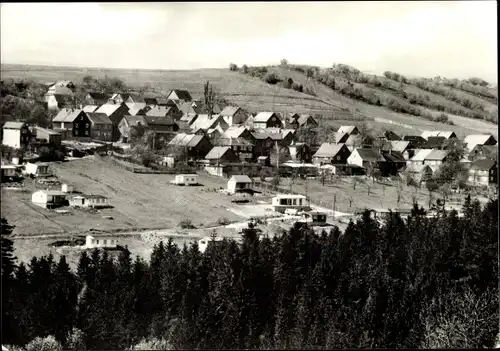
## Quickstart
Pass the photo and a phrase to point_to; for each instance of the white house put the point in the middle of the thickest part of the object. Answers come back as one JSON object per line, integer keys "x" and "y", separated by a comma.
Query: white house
{"x": 93, "y": 201}
{"x": 186, "y": 179}
{"x": 238, "y": 182}
{"x": 233, "y": 115}
{"x": 283, "y": 202}
{"x": 16, "y": 134}
{"x": 67, "y": 188}
{"x": 101, "y": 242}
{"x": 37, "y": 169}
{"x": 204, "y": 242}
{"x": 314, "y": 218}
{"x": 363, "y": 157}
{"x": 48, "y": 198}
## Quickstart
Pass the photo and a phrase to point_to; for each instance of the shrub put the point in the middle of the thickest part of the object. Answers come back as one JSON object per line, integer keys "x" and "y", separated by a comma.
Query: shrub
{"x": 49, "y": 155}
{"x": 223, "y": 221}
{"x": 233, "y": 67}
{"x": 442, "y": 118}
{"x": 271, "y": 78}
{"x": 153, "y": 344}
{"x": 244, "y": 68}
{"x": 186, "y": 224}
{"x": 48, "y": 343}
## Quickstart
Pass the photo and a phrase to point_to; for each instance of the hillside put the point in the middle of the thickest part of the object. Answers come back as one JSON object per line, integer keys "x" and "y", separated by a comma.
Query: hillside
{"x": 255, "y": 95}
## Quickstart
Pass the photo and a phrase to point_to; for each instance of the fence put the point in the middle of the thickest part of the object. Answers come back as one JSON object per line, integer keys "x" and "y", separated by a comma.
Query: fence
{"x": 115, "y": 160}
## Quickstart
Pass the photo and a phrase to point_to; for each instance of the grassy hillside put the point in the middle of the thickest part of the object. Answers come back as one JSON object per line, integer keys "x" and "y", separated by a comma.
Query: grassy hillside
{"x": 254, "y": 94}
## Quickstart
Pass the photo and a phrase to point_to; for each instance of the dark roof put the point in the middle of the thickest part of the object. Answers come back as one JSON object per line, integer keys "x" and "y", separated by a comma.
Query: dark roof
{"x": 433, "y": 142}
{"x": 414, "y": 138}
{"x": 391, "y": 136}
{"x": 484, "y": 165}
{"x": 369, "y": 155}
{"x": 132, "y": 120}
{"x": 99, "y": 118}
{"x": 159, "y": 121}
{"x": 393, "y": 156}
{"x": 233, "y": 142}
{"x": 98, "y": 96}
{"x": 182, "y": 94}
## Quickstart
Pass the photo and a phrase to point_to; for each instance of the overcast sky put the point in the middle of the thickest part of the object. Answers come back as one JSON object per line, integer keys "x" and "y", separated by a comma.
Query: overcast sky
{"x": 421, "y": 38}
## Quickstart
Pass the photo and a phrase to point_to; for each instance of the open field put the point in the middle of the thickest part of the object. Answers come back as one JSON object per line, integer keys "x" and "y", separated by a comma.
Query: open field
{"x": 247, "y": 92}
{"x": 138, "y": 200}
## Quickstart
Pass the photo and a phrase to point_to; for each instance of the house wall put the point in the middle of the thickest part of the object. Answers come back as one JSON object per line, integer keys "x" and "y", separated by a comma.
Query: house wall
{"x": 433, "y": 162}
{"x": 12, "y": 138}
{"x": 355, "y": 159}
{"x": 52, "y": 103}
{"x": 102, "y": 132}
{"x": 483, "y": 177}
{"x": 91, "y": 242}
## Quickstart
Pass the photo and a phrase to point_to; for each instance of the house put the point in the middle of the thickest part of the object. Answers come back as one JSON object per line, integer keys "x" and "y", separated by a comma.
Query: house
{"x": 300, "y": 152}
{"x": 214, "y": 133}
{"x": 93, "y": 201}
{"x": 102, "y": 242}
{"x": 233, "y": 115}
{"x": 58, "y": 101}
{"x": 188, "y": 107}
{"x": 283, "y": 202}
{"x": 118, "y": 98}
{"x": 165, "y": 111}
{"x": 483, "y": 173}
{"x": 314, "y": 218}
{"x": 127, "y": 123}
{"x": 365, "y": 158}
{"x": 206, "y": 241}
{"x": 72, "y": 123}
{"x": 186, "y": 179}
{"x": 115, "y": 113}
{"x": 204, "y": 123}
{"x": 435, "y": 158}
{"x": 349, "y": 130}
{"x": 341, "y": 138}
{"x": 163, "y": 101}
{"x": 193, "y": 146}
{"x": 306, "y": 121}
{"x": 267, "y": 120}
{"x": 16, "y": 134}
{"x": 67, "y": 188}
{"x": 389, "y": 135}
{"x": 332, "y": 154}
{"x": 239, "y": 132}
{"x": 394, "y": 162}
{"x": 419, "y": 157}
{"x": 401, "y": 146}
{"x": 238, "y": 182}
{"x": 90, "y": 108}
{"x": 8, "y": 171}
{"x": 48, "y": 136}
{"x": 138, "y": 108}
{"x": 95, "y": 98}
{"x": 471, "y": 141}
{"x": 179, "y": 95}
{"x": 263, "y": 144}
{"x": 264, "y": 160}
{"x": 241, "y": 147}
{"x": 283, "y": 137}
{"x": 48, "y": 198}
{"x": 189, "y": 118}
{"x": 59, "y": 94}
{"x": 37, "y": 169}
{"x": 416, "y": 142}
{"x": 489, "y": 152}
{"x": 436, "y": 133}
{"x": 291, "y": 119}
{"x": 436, "y": 143}
{"x": 419, "y": 172}
{"x": 220, "y": 155}
{"x": 101, "y": 126}
{"x": 161, "y": 125}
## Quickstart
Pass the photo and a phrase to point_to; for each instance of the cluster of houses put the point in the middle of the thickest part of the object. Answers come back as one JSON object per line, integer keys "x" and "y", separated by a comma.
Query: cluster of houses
{"x": 231, "y": 136}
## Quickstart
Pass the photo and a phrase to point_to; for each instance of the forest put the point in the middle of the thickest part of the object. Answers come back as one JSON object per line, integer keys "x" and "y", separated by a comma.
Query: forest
{"x": 409, "y": 283}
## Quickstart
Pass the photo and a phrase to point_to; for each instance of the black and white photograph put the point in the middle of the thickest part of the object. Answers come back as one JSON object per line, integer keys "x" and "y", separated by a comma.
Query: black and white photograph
{"x": 308, "y": 175}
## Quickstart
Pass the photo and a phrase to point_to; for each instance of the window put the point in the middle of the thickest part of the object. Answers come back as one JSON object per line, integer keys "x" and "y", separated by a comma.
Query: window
{"x": 86, "y": 132}
{"x": 300, "y": 202}
{"x": 97, "y": 241}
{"x": 93, "y": 241}
{"x": 203, "y": 242}
{"x": 86, "y": 125}
{"x": 105, "y": 241}
{"x": 294, "y": 202}
{"x": 338, "y": 158}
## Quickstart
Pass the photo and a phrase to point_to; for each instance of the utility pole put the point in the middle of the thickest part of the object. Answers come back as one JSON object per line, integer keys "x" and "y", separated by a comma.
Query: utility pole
{"x": 334, "y": 203}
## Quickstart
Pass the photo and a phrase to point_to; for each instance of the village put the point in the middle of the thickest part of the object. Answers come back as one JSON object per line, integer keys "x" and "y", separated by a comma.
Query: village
{"x": 263, "y": 169}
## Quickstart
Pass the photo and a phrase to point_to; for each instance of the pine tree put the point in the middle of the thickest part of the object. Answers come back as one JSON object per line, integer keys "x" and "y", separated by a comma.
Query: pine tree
{"x": 8, "y": 282}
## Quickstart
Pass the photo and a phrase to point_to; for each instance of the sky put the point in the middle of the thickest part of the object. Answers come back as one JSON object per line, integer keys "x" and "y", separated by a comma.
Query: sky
{"x": 456, "y": 39}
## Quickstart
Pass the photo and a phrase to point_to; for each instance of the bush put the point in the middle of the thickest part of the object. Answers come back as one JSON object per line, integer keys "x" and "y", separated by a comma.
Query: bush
{"x": 49, "y": 343}
{"x": 223, "y": 221}
{"x": 50, "y": 155}
{"x": 442, "y": 118}
{"x": 297, "y": 87}
{"x": 153, "y": 344}
{"x": 233, "y": 67}
{"x": 271, "y": 78}
{"x": 186, "y": 224}
{"x": 244, "y": 68}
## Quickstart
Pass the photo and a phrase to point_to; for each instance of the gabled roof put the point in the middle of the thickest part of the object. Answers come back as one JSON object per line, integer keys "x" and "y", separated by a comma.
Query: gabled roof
{"x": 394, "y": 156}
{"x": 233, "y": 142}
{"x": 98, "y": 96}
{"x": 108, "y": 109}
{"x": 421, "y": 154}
{"x": 99, "y": 118}
{"x": 438, "y": 155}
{"x": 67, "y": 115}
{"x": 241, "y": 178}
{"x": 476, "y": 139}
{"x": 60, "y": 90}
{"x": 183, "y": 139}
{"x": 124, "y": 96}
{"x": 189, "y": 117}
{"x": 328, "y": 150}
{"x": 136, "y": 108}
{"x": 265, "y": 116}
{"x": 132, "y": 120}
{"x": 346, "y": 129}
{"x": 418, "y": 168}
{"x": 229, "y": 111}
{"x": 159, "y": 121}
{"x": 159, "y": 111}
{"x": 234, "y": 132}
{"x": 304, "y": 118}
{"x": 90, "y": 108}
{"x": 483, "y": 165}
{"x": 217, "y": 152}
{"x": 48, "y": 131}
{"x": 341, "y": 137}
{"x": 13, "y": 125}
{"x": 205, "y": 123}
{"x": 434, "y": 133}
{"x": 187, "y": 107}
{"x": 391, "y": 136}
{"x": 399, "y": 145}
{"x": 182, "y": 94}
{"x": 369, "y": 155}
{"x": 435, "y": 142}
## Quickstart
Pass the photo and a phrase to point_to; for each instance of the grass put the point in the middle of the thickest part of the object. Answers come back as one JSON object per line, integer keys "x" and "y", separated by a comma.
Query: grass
{"x": 138, "y": 200}
{"x": 253, "y": 94}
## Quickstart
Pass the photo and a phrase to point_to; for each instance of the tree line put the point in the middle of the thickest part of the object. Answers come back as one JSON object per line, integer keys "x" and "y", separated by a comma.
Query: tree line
{"x": 419, "y": 282}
